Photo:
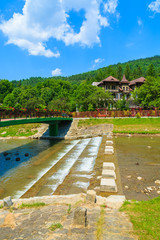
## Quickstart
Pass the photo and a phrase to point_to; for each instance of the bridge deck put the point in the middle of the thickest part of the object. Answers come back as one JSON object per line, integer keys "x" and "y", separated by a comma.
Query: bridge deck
{"x": 52, "y": 121}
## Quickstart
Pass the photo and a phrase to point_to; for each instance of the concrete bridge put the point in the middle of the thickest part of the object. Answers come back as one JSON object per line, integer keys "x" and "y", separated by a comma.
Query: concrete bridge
{"x": 52, "y": 121}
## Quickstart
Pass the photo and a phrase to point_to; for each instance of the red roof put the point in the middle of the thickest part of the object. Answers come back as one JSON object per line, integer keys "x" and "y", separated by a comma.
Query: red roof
{"x": 138, "y": 80}
{"x": 109, "y": 79}
{"x": 124, "y": 80}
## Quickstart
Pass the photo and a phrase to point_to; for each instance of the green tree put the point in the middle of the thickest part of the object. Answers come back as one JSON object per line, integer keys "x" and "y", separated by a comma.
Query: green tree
{"x": 119, "y": 72}
{"x": 9, "y": 100}
{"x": 148, "y": 94}
{"x": 128, "y": 72}
{"x": 151, "y": 70}
{"x": 6, "y": 87}
{"x": 139, "y": 71}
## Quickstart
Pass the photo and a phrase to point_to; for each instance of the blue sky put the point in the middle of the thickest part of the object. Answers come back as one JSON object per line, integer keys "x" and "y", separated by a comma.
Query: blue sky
{"x": 66, "y": 37}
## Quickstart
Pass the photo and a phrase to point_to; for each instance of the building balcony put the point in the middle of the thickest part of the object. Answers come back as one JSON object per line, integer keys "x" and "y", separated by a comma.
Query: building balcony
{"x": 113, "y": 91}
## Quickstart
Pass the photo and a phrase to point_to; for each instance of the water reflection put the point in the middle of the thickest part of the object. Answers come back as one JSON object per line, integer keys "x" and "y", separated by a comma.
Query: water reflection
{"x": 12, "y": 158}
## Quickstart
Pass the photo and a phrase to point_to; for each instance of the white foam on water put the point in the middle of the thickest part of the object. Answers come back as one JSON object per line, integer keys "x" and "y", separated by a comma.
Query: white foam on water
{"x": 83, "y": 185}
{"x": 87, "y": 163}
{"x": 68, "y": 148}
{"x": 94, "y": 146}
{"x": 60, "y": 175}
{"x": 82, "y": 175}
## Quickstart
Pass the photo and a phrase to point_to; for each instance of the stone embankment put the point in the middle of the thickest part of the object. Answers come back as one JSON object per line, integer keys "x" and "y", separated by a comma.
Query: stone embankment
{"x": 66, "y": 217}
{"x": 85, "y": 132}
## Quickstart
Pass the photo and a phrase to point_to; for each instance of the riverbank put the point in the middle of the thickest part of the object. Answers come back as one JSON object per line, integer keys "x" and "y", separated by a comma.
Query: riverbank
{"x": 126, "y": 125}
{"x": 25, "y": 131}
{"x": 56, "y": 217}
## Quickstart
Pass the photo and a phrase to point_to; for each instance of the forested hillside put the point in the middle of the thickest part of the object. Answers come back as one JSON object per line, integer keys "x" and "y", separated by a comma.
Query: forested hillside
{"x": 77, "y": 92}
{"x": 132, "y": 69}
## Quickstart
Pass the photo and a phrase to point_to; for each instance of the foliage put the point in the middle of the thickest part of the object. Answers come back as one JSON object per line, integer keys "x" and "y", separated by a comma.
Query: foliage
{"x": 145, "y": 216}
{"x": 151, "y": 70}
{"x": 32, "y": 205}
{"x": 128, "y": 72}
{"x": 6, "y": 87}
{"x": 100, "y": 223}
{"x": 138, "y": 115}
{"x": 148, "y": 94}
{"x": 122, "y": 104}
{"x": 67, "y": 93}
{"x": 55, "y": 226}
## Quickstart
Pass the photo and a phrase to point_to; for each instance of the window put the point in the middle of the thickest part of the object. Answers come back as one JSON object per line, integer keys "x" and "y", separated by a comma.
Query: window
{"x": 113, "y": 87}
{"x": 126, "y": 88}
{"x": 123, "y": 88}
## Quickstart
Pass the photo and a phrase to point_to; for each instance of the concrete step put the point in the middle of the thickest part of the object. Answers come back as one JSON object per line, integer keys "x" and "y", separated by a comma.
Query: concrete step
{"x": 109, "y": 143}
{"x": 108, "y": 185}
{"x": 109, "y": 151}
{"x": 108, "y": 166}
{"x": 108, "y": 174}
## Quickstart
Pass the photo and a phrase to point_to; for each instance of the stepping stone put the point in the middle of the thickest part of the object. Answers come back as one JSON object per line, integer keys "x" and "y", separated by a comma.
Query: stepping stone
{"x": 108, "y": 185}
{"x": 108, "y": 174}
{"x": 109, "y": 137}
{"x": 109, "y": 151}
{"x": 108, "y": 166}
{"x": 109, "y": 147}
{"x": 109, "y": 143}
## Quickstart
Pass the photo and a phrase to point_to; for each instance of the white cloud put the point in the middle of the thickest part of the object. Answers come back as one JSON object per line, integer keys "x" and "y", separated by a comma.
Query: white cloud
{"x": 139, "y": 21}
{"x": 111, "y": 6}
{"x": 97, "y": 61}
{"x": 57, "y": 72}
{"x": 155, "y": 6}
{"x": 130, "y": 44}
{"x": 41, "y": 20}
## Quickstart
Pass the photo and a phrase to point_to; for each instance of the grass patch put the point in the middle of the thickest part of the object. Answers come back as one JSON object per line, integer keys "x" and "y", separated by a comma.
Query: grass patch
{"x": 145, "y": 216}
{"x": 69, "y": 209}
{"x": 100, "y": 224}
{"x": 32, "y": 205}
{"x": 127, "y": 125}
{"x": 1, "y": 206}
{"x": 55, "y": 226}
{"x": 23, "y": 130}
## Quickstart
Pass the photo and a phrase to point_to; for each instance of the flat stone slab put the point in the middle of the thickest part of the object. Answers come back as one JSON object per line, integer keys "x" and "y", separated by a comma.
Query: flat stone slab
{"x": 108, "y": 166}
{"x": 109, "y": 151}
{"x": 109, "y": 143}
{"x": 108, "y": 174}
{"x": 113, "y": 201}
{"x": 108, "y": 185}
{"x": 109, "y": 137}
{"x": 109, "y": 147}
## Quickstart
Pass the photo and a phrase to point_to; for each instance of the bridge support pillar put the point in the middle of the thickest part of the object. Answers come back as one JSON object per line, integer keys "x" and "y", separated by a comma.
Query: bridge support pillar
{"x": 53, "y": 130}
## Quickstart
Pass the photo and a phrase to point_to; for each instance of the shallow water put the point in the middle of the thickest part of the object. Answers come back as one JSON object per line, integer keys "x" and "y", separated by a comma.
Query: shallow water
{"x": 138, "y": 156}
{"x": 66, "y": 167}
{"x": 44, "y": 156}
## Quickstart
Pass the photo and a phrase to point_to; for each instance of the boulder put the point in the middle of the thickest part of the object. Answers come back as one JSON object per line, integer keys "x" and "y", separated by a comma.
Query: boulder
{"x": 7, "y": 202}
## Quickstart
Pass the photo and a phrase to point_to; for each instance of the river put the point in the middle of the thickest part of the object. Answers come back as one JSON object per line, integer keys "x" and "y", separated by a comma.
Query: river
{"x": 43, "y": 167}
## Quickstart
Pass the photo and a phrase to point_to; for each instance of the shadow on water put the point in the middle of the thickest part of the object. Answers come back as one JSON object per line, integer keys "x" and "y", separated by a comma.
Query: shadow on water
{"x": 63, "y": 128}
{"x": 14, "y": 157}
